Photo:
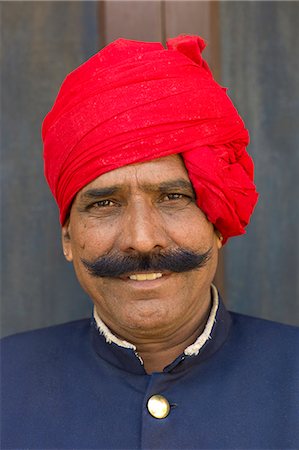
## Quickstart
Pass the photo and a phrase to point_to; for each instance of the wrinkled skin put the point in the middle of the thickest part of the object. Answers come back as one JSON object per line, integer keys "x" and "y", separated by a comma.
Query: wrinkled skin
{"x": 146, "y": 207}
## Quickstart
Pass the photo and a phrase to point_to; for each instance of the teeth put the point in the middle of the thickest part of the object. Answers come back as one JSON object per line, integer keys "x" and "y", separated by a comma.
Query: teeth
{"x": 145, "y": 276}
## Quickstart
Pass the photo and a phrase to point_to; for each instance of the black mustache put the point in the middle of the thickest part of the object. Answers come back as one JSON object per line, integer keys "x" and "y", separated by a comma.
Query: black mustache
{"x": 176, "y": 260}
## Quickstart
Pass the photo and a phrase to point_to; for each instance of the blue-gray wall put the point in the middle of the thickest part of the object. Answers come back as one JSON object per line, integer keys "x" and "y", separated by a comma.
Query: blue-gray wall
{"x": 40, "y": 43}
{"x": 260, "y": 62}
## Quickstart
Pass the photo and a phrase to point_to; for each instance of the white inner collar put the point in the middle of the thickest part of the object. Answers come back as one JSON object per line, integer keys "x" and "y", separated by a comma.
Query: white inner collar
{"x": 191, "y": 350}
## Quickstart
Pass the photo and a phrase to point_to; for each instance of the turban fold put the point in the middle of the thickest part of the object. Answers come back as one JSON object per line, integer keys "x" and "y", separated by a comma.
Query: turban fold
{"x": 137, "y": 101}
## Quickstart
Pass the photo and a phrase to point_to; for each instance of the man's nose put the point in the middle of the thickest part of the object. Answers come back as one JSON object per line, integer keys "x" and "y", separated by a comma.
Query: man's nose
{"x": 142, "y": 229}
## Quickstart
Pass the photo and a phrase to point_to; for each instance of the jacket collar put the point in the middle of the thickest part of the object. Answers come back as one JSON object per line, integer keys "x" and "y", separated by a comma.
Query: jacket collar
{"x": 123, "y": 354}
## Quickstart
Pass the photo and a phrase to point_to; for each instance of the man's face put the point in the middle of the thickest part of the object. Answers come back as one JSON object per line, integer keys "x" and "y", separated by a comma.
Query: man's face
{"x": 142, "y": 209}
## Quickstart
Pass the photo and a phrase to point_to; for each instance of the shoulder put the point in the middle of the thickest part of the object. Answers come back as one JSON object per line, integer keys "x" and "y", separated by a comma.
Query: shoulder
{"x": 264, "y": 328}
{"x": 265, "y": 338}
{"x": 51, "y": 341}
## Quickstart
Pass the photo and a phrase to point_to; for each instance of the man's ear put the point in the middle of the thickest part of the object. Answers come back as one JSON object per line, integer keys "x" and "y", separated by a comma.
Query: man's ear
{"x": 66, "y": 241}
{"x": 219, "y": 239}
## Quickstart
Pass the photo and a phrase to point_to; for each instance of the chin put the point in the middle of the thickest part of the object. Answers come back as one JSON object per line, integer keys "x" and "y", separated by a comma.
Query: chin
{"x": 147, "y": 320}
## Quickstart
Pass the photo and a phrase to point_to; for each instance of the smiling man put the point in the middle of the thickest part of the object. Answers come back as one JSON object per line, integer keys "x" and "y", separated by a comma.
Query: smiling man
{"x": 146, "y": 157}
{"x": 150, "y": 254}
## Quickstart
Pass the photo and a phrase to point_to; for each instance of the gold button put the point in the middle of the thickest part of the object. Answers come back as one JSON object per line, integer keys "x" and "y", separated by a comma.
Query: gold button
{"x": 158, "y": 406}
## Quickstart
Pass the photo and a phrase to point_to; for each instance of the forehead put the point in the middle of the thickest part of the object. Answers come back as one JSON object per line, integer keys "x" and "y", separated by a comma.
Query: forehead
{"x": 155, "y": 172}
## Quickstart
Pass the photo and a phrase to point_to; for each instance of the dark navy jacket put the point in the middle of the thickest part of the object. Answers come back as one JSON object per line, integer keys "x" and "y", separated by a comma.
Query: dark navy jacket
{"x": 65, "y": 387}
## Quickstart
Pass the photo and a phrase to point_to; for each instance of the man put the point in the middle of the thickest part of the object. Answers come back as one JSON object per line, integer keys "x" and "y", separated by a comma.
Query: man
{"x": 146, "y": 157}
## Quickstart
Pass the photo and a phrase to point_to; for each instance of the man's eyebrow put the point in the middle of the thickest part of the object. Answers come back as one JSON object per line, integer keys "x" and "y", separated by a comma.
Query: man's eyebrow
{"x": 99, "y": 192}
{"x": 179, "y": 183}
{"x": 170, "y": 185}
{"x": 175, "y": 184}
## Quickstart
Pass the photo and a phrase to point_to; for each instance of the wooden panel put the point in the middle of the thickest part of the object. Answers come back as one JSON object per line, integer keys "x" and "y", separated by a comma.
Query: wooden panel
{"x": 131, "y": 20}
{"x": 195, "y": 17}
{"x": 188, "y": 17}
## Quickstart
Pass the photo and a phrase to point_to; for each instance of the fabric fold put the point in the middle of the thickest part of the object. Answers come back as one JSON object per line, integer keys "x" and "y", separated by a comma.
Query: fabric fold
{"x": 137, "y": 101}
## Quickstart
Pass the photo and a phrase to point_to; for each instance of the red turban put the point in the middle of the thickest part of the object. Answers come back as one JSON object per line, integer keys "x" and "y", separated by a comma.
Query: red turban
{"x": 136, "y": 101}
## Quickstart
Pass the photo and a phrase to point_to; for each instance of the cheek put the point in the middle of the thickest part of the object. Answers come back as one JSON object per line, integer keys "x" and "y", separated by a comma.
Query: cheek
{"x": 91, "y": 240}
{"x": 192, "y": 230}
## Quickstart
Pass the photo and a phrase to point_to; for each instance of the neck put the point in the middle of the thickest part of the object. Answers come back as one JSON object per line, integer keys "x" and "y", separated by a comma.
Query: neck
{"x": 157, "y": 352}
{"x": 156, "y": 355}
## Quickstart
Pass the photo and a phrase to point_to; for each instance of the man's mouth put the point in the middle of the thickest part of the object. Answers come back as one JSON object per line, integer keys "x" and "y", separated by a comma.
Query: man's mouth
{"x": 145, "y": 276}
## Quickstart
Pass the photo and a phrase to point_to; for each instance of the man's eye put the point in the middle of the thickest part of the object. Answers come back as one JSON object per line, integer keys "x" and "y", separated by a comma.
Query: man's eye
{"x": 175, "y": 200}
{"x": 174, "y": 196}
{"x": 103, "y": 203}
